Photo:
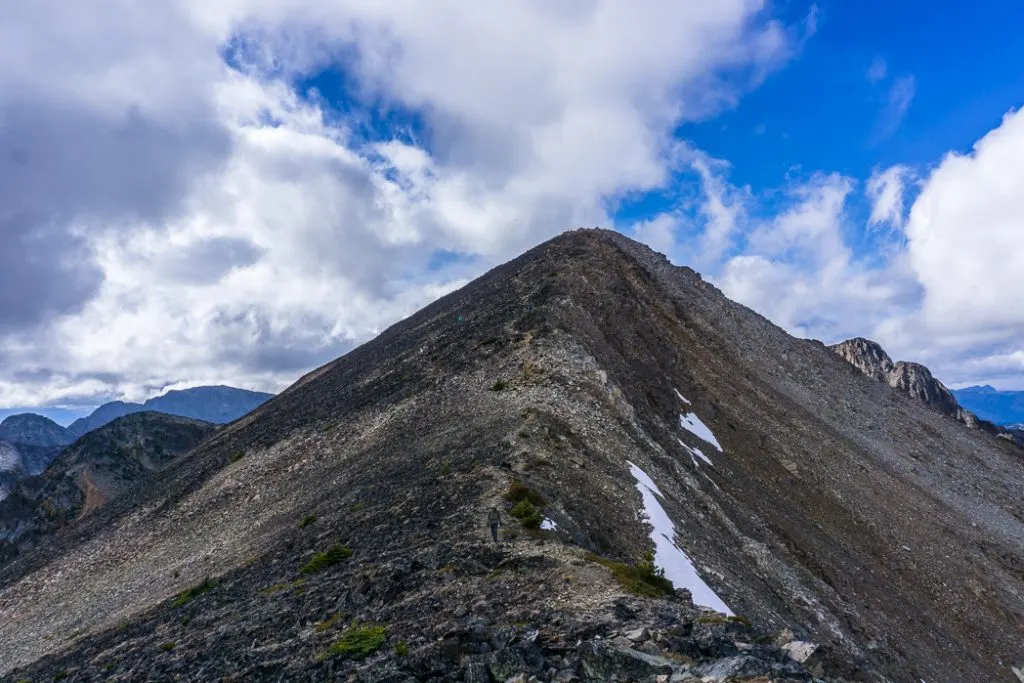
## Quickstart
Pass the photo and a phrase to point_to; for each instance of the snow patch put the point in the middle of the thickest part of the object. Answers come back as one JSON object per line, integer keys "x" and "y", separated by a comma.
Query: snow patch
{"x": 695, "y": 452}
{"x": 678, "y": 567}
{"x": 549, "y": 524}
{"x": 681, "y": 397}
{"x": 691, "y": 423}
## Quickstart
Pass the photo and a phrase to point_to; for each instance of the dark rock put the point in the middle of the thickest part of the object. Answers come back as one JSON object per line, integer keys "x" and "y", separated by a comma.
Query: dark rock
{"x": 604, "y": 662}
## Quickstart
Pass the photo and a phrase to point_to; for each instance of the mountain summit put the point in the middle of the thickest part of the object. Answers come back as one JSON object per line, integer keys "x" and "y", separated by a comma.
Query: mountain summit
{"x": 649, "y": 447}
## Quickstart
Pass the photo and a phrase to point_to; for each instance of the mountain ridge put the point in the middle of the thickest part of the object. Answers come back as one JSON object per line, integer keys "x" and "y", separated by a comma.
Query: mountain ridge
{"x": 216, "y": 403}
{"x": 823, "y": 503}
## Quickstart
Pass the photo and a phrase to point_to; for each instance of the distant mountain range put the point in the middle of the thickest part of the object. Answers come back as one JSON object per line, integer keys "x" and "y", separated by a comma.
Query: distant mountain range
{"x": 95, "y": 469}
{"x": 30, "y": 442}
{"x": 218, "y": 405}
{"x": 1002, "y": 407}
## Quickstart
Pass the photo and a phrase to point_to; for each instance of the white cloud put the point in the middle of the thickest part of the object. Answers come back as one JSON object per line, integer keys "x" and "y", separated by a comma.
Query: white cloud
{"x": 885, "y": 190}
{"x": 965, "y": 234}
{"x": 877, "y": 71}
{"x": 232, "y": 231}
{"x": 798, "y": 270}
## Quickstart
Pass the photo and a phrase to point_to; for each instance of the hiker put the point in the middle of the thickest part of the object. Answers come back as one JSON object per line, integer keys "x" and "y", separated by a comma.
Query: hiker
{"x": 493, "y": 521}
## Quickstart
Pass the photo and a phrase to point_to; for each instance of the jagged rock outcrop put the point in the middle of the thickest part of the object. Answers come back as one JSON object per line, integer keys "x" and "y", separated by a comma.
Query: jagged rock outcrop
{"x": 912, "y": 379}
{"x": 622, "y": 415}
{"x": 94, "y": 470}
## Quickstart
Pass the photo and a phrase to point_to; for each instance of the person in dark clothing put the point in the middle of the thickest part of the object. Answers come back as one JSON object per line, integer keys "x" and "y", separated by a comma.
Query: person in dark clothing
{"x": 494, "y": 521}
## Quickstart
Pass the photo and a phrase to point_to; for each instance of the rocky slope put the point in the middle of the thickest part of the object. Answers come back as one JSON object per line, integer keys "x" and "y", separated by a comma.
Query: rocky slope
{"x": 218, "y": 404}
{"x": 94, "y": 470}
{"x": 336, "y": 533}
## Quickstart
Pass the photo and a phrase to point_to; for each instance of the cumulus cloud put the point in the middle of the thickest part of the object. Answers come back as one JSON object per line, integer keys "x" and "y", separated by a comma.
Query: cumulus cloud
{"x": 964, "y": 238}
{"x": 207, "y": 220}
{"x": 799, "y": 270}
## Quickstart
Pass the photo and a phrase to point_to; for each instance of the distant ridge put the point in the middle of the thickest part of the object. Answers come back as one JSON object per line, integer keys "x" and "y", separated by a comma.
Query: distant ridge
{"x": 1002, "y": 407}
{"x": 216, "y": 404}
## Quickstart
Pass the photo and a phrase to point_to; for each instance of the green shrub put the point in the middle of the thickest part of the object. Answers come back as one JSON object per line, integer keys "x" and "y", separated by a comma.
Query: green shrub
{"x": 528, "y": 515}
{"x": 168, "y": 646}
{"x": 446, "y": 469}
{"x": 401, "y": 648}
{"x": 61, "y": 675}
{"x": 237, "y": 455}
{"x": 500, "y": 385}
{"x": 190, "y": 594}
{"x": 518, "y": 491}
{"x": 306, "y": 521}
{"x": 357, "y": 643}
{"x": 642, "y": 579}
{"x": 332, "y": 556}
{"x": 739, "y": 619}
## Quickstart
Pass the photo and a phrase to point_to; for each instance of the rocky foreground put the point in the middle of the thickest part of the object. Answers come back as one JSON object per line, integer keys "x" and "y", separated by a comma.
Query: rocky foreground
{"x": 530, "y": 609}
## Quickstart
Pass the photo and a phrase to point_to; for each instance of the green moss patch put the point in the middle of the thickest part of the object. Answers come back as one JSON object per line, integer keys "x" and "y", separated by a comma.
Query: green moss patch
{"x": 190, "y": 594}
{"x": 335, "y": 554}
{"x": 357, "y": 643}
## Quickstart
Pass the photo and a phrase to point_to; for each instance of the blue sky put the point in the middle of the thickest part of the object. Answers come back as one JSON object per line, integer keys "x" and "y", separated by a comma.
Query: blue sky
{"x": 234, "y": 192}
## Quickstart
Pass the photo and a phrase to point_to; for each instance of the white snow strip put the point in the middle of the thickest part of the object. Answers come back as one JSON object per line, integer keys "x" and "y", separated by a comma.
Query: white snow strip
{"x": 681, "y": 397}
{"x": 677, "y": 565}
{"x": 548, "y": 524}
{"x": 695, "y": 452}
{"x": 691, "y": 423}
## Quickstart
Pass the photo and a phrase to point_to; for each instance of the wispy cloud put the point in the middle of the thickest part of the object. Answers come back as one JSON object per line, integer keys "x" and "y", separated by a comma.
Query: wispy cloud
{"x": 877, "y": 71}
{"x": 897, "y": 102}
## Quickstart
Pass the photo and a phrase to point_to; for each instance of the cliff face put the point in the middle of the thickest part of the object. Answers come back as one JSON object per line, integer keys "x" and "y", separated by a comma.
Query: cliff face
{"x": 623, "y": 417}
{"x": 912, "y": 379}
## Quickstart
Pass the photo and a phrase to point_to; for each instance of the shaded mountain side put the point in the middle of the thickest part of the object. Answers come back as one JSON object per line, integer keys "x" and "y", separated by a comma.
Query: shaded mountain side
{"x": 28, "y": 443}
{"x": 95, "y": 469}
{"x": 19, "y": 461}
{"x": 808, "y": 497}
{"x": 1005, "y": 408}
{"x": 33, "y": 430}
{"x": 217, "y": 404}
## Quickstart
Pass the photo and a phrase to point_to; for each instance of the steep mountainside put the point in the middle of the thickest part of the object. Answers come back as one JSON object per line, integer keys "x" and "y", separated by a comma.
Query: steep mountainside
{"x": 913, "y": 379}
{"x": 1001, "y": 407}
{"x": 624, "y": 407}
{"x": 219, "y": 405}
{"x": 95, "y": 469}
